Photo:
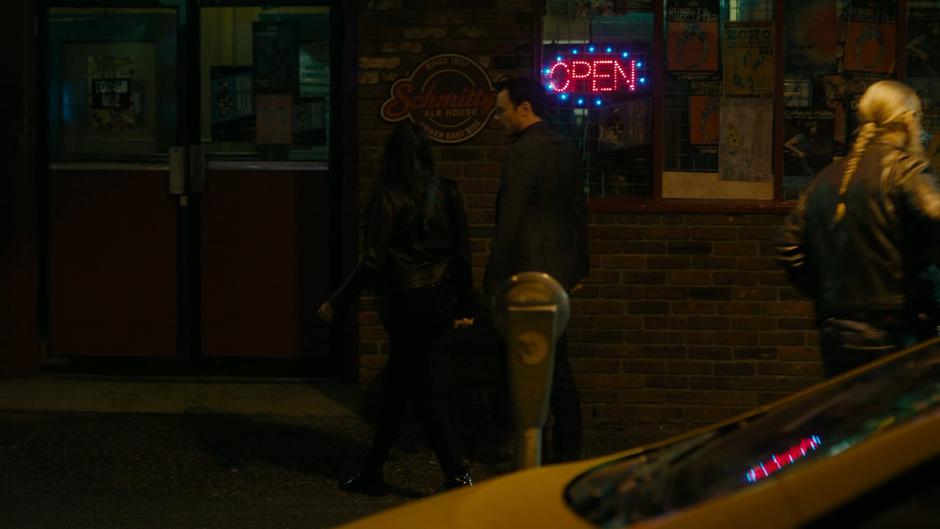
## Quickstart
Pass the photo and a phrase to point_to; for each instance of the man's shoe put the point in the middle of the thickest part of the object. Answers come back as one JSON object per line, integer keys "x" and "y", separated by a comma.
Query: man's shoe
{"x": 456, "y": 481}
{"x": 369, "y": 483}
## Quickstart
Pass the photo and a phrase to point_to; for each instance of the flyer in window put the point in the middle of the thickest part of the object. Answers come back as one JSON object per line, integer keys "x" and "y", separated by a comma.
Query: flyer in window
{"x": 746, "y": 147}
{"x": 110, "y": 93}
{"x": 749, "y": 58}
{"x": 275, "y": 55}
{"x": 704, "y": 115}
{"x": 870, "y": 37}
{"x": 275, "y": 122}
{"x": 232, "y": 103}
{"x": 692, "y": 36}
{"x": 812, "y": 37}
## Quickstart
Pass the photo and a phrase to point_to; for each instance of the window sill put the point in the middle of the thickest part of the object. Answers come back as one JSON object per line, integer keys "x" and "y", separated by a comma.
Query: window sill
{"x": 647, "y": 205}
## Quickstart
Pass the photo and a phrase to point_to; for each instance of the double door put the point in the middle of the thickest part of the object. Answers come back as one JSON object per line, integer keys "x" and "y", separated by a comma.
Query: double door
{"x": 193, "y": 197}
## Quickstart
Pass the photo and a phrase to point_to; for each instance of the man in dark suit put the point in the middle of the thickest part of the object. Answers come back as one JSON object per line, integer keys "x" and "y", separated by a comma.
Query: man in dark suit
{"x": 541, "y": 224}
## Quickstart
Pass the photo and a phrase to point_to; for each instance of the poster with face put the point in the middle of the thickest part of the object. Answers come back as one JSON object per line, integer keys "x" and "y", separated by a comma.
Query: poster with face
{"x": 693, "y": 28}
{"x": 812, "y": 37}
{"x": 870, "y": 33}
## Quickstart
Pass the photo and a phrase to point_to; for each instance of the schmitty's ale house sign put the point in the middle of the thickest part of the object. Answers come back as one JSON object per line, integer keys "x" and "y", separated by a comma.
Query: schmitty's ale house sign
{"x": 449, "y": 96}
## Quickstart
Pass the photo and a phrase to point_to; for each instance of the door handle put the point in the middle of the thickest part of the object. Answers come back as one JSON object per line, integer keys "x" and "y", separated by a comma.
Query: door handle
{"x": 197, "y": 168}
{"x": 177, "y": 170}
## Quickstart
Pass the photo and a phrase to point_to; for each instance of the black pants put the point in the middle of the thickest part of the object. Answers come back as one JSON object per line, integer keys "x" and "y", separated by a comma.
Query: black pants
{"x": 416, "y": 320}
{"x": 565, "y": 404}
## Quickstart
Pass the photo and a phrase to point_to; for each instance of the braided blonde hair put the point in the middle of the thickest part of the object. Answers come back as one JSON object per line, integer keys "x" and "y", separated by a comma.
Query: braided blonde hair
{"x": 884, "y": 106}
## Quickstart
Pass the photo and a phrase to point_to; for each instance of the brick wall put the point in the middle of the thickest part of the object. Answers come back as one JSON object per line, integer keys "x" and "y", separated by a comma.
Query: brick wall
{"x": 686, "y": 318}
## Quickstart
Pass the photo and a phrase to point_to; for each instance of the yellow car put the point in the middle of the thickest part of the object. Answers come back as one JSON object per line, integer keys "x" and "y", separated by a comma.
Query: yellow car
{"x": 860, "y": 450}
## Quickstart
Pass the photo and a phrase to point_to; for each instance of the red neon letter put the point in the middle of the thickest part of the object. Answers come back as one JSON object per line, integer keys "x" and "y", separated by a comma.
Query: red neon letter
{"x": 631, "y": 79}
{"x": 606, "y": 75}
{"x": 551, "y": 75}
{"x": 574, "y": 70}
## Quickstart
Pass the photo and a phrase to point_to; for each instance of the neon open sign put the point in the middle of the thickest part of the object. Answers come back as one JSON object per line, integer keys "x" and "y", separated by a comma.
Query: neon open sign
{"x": 590, "y": 73}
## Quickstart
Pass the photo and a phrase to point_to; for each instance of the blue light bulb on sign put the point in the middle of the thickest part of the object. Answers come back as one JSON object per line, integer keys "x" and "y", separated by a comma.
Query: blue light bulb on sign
{"x": 564, "y": 97}
{"x": 574, "y": 51}
{"x": 625, "y": 54}
{"x": 639, "y": 65}
{"x": 642, "y": 80}
{"x": 597, "y": 102}
{"x": 609, "y": 49}
{"x": 591, "y": 49}
{"x": 580, "y": 101}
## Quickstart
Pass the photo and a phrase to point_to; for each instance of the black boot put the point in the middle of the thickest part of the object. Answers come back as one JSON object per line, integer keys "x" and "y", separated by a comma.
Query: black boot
{"x": 367, "y": 482}
{"x": 457, "y": 480}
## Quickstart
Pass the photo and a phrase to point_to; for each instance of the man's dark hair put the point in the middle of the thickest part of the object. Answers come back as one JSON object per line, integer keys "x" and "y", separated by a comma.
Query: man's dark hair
{"x": 522, "y": 89}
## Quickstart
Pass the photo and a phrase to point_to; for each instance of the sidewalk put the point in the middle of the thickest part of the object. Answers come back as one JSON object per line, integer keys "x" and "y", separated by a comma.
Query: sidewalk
{"x": 97, "y": 452}
{"x": 160, "y": 453}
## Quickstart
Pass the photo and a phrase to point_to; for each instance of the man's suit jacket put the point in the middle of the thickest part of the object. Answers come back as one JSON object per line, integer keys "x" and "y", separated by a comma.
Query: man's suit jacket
{"x": 541, "y": 211}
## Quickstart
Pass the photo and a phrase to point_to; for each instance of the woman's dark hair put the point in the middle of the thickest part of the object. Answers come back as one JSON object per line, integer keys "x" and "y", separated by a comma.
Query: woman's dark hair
{"x": 407, "y": 162}
{"x": 522, "y": 89}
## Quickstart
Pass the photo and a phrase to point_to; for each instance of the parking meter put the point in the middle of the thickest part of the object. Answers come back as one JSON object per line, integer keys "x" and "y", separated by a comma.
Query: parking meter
{"x": 531, "y": 312}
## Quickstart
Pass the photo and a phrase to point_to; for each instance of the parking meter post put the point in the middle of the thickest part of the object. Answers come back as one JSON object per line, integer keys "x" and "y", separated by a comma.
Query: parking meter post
{"x": 531, "y": 361}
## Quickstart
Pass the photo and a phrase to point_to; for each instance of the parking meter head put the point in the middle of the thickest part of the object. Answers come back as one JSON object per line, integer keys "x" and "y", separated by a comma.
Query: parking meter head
{"x": 531, "y": 289}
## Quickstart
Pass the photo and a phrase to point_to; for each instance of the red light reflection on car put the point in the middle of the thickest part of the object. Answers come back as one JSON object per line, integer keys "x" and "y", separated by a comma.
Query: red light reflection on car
{"x": 778, "y": 461}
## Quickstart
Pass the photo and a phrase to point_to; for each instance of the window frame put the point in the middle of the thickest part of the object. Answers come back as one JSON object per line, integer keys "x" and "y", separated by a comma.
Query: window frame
{"x": 656, "y": 203}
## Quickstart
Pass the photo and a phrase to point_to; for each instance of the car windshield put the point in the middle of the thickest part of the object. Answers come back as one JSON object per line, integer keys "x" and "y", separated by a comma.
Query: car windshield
{"x": 740, "y": 455}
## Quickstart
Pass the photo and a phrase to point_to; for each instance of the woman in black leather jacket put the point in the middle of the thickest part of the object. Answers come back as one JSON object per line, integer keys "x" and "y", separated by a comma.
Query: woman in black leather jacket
{"x": 861, "y": 239}
{"x": 417, "y": 256}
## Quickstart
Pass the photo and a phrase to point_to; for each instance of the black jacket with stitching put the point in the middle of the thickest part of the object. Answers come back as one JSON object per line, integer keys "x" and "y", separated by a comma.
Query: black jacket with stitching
{"x": 872, "y": 265}
{"x": 410, "y": 245}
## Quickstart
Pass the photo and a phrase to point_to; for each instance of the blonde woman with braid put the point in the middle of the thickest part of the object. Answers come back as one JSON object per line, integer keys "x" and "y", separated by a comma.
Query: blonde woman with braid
{"x": 861, "y": 238}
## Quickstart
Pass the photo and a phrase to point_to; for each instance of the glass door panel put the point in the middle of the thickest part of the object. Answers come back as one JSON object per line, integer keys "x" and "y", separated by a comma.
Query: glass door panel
{"x": 112, "y": 81}
{"x": 266, "y": 82}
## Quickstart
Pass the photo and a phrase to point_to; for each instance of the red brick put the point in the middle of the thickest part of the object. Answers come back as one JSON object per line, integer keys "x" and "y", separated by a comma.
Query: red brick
{"x": 712, "y": 414}
{"x": 620, "y": 262}
{"x": 667, "y": 263}
{"x": 690, "y": 277}
{"x": 661, "y": 351}
{"x": 711, "y": 382}
{"x": 608, "y": 380}
{"x": 648, "y": 307}
{"x": 798, "y": 353}
{"x": 621, "y": 292}
{"x": 644, "y": 396}
{"x": 783, "y": 338}
{"x": 665, "y": 381}
{"x": 719, "y": 323}
{"x": 618, "y": 322}
{"x": 730, "y": 398}
{"x": 738, "y": 307}
{"x": 674, "y": 233}
{"x": 755, "y": 353}
{"x": 690, "y": 367}
{"x": 644, "y": 366}
{"x": 799, "y": 369}
{"x": 694, "y": 307}
{"x": 710, "y": 353}
{"x": 713, "y": 263}
{"x": 713, "y": 234}
{"x": 663, "y": 292}
{"x": 735, "y": 248}
{"x": 754, "y": 294}
{"x": 738, "y": 369}
{"x": 595, "y": 365}
{"x": 663, "y": 322}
